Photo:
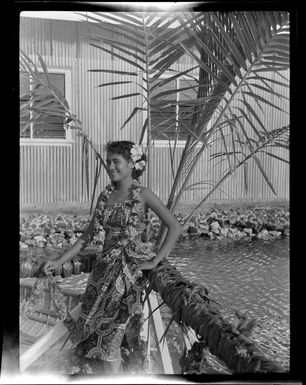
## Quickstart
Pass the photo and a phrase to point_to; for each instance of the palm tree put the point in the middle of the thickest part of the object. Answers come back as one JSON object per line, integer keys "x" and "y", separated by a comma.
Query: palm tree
{"x": 234, "y": 53}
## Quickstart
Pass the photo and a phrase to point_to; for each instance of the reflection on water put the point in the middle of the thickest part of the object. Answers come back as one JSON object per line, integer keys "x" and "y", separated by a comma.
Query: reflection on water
{"x": 245, "y": 276}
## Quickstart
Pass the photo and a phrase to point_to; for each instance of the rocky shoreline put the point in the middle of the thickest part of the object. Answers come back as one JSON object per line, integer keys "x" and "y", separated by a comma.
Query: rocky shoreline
{"x": 236, "y": 224}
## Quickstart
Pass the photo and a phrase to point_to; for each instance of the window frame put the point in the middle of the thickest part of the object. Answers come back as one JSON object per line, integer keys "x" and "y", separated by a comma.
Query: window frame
{"x": 54, "y": 141}
{"x": 164, "y": 142}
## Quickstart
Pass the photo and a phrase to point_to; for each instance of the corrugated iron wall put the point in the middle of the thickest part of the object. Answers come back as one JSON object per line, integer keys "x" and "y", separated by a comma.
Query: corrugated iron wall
{"x": 52, "y": 174}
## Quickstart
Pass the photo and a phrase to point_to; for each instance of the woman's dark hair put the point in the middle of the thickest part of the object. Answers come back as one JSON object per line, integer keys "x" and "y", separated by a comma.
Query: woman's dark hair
{"x": 124, "y": 148}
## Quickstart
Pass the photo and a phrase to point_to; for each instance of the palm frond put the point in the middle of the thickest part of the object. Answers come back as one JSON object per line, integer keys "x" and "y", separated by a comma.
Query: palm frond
{"x": 123, "y": 58}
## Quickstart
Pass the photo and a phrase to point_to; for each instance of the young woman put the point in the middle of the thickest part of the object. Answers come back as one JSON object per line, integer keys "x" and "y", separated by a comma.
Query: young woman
{"x": 113, "y": 293}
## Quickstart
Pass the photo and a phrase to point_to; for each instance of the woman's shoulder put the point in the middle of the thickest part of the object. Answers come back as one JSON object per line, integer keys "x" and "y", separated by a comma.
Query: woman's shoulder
{"x": 145, "y": 196}
{"x": 148, "y": 195}
{"x": 144, "y": 191}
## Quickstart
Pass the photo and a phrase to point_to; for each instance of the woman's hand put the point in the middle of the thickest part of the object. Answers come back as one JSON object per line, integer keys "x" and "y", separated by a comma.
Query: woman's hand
{"x": 147, "y": 266}
{"x": 52, "y": 265}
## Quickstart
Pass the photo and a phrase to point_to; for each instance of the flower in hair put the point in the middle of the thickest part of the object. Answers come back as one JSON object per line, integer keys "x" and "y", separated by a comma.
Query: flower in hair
{"x": 136, "y": 153}
{"x": 140, "y": 165}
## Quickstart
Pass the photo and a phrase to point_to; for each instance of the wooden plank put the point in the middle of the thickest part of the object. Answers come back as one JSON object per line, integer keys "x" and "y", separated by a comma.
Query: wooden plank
{"x": 39, "y": 347}
{"x": 26, "y": 325}
{"x": 159, "y": 329}
{"x": 145, "y": 332}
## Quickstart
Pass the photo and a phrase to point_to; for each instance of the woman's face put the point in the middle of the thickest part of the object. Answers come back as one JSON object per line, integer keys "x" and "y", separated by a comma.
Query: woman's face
{"x": 118, "y": 167}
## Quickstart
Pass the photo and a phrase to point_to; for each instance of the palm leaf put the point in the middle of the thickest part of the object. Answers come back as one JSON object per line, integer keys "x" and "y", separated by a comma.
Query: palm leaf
{"x": 211, "y": 55}
{"x": 276, "y": 157}
{"x": 244, "y": 114}
{"x": 114, "y": 72}
{"x": 114, "y": 83}
{"x": 263, "y": 100}
{"x": 44, "y": 67}
{"x": 133, "y": 63}
{"x": 127, "y": 96}
{"x": 143, "y": 131}
{"x": 260, "y": 166}
{"x": 206, "y": 68}
{"x": 135, "y": 110}
{"x": 126, "y": 52}
{"x": 231, "y": 46}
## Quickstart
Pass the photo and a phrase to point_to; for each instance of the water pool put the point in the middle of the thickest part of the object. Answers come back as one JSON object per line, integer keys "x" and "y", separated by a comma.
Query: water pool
{"x": 245, "y": 276}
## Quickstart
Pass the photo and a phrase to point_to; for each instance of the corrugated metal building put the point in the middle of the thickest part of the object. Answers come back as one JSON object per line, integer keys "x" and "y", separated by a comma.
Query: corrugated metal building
{"x": 50, "y": 169}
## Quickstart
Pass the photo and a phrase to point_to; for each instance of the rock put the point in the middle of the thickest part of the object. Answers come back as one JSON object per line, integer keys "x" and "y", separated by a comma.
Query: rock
{"x": 231, "y": 235}
{"x": 233, "y": 230}
{"x": 215, "y": 225}
{"x": 38, "y": 232}
{"x": 23, "y": 245}
{"x": 39, "y": 238}
{"x": 248, "y": 231}
{"x": 30, "y": 242}
{"x": 192, "y": 230}
{"x": 65, "y": 242}
{"x": 204, "y": 229}
{"x": 287, "y": 232}
{"x": 241, "y": 234}
{"x": 215, "y": 231}
{"x": 69, "y": 233}
{"x": 56, "y": 238}
{"x": 62, "y": 225}
{"x": 263, "y": 234}
{"x": 224, "y": 231}
{"x": 47, "y": 230}
{"x": 275, "y": 234}
{"x": 23, "y": 237}
{"x": 72, "y": 240}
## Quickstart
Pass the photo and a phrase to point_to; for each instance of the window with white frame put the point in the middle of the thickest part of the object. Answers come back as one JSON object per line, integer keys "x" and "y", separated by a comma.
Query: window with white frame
{"x": 46, "y": 127}
{"x": 173, "y": 120}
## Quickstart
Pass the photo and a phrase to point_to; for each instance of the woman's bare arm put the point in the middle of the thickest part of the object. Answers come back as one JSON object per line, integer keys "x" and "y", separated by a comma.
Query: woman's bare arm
{"x": 84, "y": 240}
{"x": 165, "y": 215}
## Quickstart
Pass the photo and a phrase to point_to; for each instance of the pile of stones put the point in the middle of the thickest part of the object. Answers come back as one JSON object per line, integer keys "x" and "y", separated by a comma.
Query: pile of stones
{"x": 236, "y": 224}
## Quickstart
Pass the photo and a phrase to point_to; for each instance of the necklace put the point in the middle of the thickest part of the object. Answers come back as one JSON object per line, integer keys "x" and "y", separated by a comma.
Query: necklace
{"x": 102, "y": 210}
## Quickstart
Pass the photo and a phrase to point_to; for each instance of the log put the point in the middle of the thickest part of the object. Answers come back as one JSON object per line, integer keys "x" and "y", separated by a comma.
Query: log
{"x": 194, "y": 309}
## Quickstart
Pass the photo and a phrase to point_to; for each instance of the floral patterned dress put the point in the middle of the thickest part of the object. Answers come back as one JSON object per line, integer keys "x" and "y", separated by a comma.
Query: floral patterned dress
{"x": 114, "y": 291}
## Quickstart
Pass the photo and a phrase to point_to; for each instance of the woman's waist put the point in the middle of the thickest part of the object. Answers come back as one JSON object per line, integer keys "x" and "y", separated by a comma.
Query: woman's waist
{"x": 135, "y": 247}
